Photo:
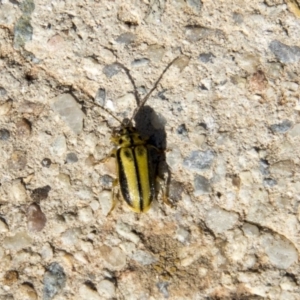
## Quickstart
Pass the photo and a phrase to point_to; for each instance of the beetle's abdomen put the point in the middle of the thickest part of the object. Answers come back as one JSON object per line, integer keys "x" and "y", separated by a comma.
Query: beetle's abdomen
{"x": 136, "y": 178}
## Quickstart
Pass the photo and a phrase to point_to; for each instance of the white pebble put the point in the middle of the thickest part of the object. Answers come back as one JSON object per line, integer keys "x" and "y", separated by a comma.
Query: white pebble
{"x": 105, "y": 199}
{"x": 70, "y": 236}
{"x": 295, "y": 131}
{"x": 70, "y": 111}
{"x": 125, "y": 231}
{"x": 17, "y": 242}
{"x": 59, "y": 145}
{"x": 280, "y": 251}
{"x": 3, "y": 227}
{"x": 47, "y": 252}
{"x": 143, "y": 257}
{"x": 106, "y": 289}
{"x": 113, "y": 256}
{"x": 85, "y": 292}
{"x": 85, "y": 215}
{"x": 17, "y": 193}
{"x": 220, "y": 220}
{"x": 182, "y": 235}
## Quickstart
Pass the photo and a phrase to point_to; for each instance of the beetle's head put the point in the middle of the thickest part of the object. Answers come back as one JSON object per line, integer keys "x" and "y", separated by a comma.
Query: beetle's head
{"x": 126, "y": 135}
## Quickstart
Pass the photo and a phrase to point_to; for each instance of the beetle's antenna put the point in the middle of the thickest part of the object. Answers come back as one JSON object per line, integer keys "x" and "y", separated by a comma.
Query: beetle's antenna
{"x": 136, "y": 94}
{"x": 110, "y": 113}
{"x": 144, "y": 100}
{"x": 107, "y": 111}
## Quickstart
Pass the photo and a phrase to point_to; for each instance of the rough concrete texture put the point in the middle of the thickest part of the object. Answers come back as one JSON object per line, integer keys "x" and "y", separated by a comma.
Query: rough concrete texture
{"x": 226, "y": 112}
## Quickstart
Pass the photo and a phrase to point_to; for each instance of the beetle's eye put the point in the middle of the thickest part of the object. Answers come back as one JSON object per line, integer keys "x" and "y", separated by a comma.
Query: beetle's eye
{"x": 120, "y": 141}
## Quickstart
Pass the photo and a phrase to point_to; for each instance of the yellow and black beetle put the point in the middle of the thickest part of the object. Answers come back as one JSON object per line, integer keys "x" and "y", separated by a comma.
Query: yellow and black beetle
{"x": 136, "y": 169}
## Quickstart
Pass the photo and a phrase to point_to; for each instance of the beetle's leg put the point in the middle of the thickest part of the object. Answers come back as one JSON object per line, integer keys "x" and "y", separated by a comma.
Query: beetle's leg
{"x": 114, "y": 197}
{"x": 111, "y": 154}
{"x": 164, "y": 187}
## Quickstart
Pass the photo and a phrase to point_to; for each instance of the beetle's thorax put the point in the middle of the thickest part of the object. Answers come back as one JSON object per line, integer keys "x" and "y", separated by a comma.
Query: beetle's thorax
{"x": 127, "y": 136}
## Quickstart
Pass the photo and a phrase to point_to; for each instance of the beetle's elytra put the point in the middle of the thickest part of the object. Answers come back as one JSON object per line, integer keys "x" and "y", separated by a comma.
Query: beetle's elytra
{"x": 136, "y": 162}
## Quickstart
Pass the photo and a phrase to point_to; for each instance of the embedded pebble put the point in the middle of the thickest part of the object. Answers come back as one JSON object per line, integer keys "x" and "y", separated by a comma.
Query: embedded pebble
{"x": 106, "y": 182}
{"x": 10, "y": 277}
{"x": 70, "y": 111}
{"x": 7, "y": 15}
{"x": 32, "y": 108}
{"x": 264, "y": 167}
{"x": 206, "y": 57}
{"x": 64, "y": 179}
{"x": 54, "y": 281}
{"x": 282, "y": 127}
{"x": 86, "y": 292}
{"x": 285, "y": 53}
{"x": 195, "y": 4}
{"x": 270, "y": 182}
{"x": 17, "y": 242}
{"x": 295, "y": 131}
{"x": 3, "y": 226}
{"x": 5, "y": 107}
{"x": 36, "y": 219}
{"x": 106, "y": 289}
{"x": 85, "y": 193}
{"x": 70, "y": 236}
{"x": 3, "y": 91}
{"x": 181, "y": 129}
{"x": 220, "y": 220}
{"x": 176, "y": 189}
{"x": 143, "y": 257}
{"x": 27, "y": 292}
{"x": 23, "y": 128}
{"x": 41, "y": 193}
{"x": 182, "y": 235}
{"x": 201, "y": 185}
{"x": 126, "y": 38}
{"x": 106, "y": 201}
{"x": 237, "y": 250}
{"x": 156, "y": 52}
{"x": 111, "y": 70}
{"x": 283, "y": 168}
{"x": 85, "y": 215}
{"x": 174, "y": 158}
{"x": 189, "y": 254}
{"x": 71, "y": 158}
{"x": 181, "y": 62}
{"x": 163, "y": 288}
{"x": 22, "y": 32}
{"x": 100, "y": 97}
{"x": 17, "y": 192}
{"x": 17, "y": 161}
{"x": 140, "y": 62}
{"x": 238, "y": 18}
{"x": 250, "y": 230}
{"x": 4, "y": 134}
{"x": 125, "y": 231}
{"x": 113, "y": 256}
{"x": 199, "y": 160}
{"x": 27, "y": 7}
{"x": 47, "y": 252}
{"x": 46, "y": 162}
{"x": 59, "y": 146}
{"x": 281, "y": 252}
{"x": 196, "y": 33}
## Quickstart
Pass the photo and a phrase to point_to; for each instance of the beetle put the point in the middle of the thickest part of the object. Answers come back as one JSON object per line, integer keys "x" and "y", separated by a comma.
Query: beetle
{"x": 136, "y": 161}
